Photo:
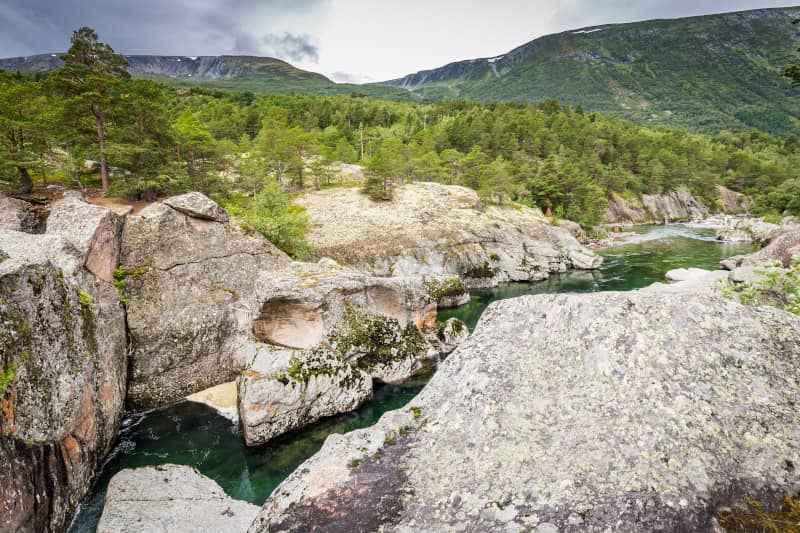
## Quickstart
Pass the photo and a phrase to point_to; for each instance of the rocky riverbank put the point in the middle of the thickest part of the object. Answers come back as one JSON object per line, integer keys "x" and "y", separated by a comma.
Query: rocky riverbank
{"x": 431, "y": 229}
{"x": 109, "y": 308}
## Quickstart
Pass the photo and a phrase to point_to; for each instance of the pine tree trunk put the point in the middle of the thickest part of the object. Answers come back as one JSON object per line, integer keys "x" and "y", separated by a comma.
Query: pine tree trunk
{"x": 101, "y": 142}
{"x": 26, "y": 183}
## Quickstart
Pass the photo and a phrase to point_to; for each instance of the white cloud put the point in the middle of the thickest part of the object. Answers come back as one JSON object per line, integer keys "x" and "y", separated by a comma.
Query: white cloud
{"x": 378, "y": 38}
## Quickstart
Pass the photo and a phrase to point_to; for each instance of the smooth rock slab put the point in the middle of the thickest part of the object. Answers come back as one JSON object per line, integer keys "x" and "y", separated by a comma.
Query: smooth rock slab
{"x": 598, "y": 412}
{"x": 171, "y": 499}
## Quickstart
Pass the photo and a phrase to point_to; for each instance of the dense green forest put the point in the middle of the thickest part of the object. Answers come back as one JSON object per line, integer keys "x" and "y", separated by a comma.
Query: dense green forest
{"x": 150, "y": 140}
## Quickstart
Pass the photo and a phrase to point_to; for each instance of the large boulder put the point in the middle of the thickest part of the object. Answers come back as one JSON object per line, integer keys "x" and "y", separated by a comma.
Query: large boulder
{"x": 18, "y": 215}
{"x": 616, "y": 411}
{"x": 62, "y": 379}
{"x": 189, "y": 287}
{"x": 198, "y": 205}
{"x": 285, "y": 390}
{"x": 328, "y": 332}
{"x": 431, "y": 229}
{"x": 94, "y": 230}
{"x": 171, "y": 498}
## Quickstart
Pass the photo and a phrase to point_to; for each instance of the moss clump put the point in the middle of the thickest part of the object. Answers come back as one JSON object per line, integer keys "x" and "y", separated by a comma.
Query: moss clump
{"x": 355, "y": 463}
{"x": 319, "y": 362}
{"x": 481, "y": 272}
{"x": 122, "y": 273}
{"x": 379, "y": 339}
{"x": 755, "y": 517}
{"x": 457, "y": 327}
{"x": 438, "y": 289}
{"x": 7, "y": 377}
{"x": 494, "y": 258}
{"x": 89, "y": 337}
{"x": 84, "y": 297}
{"x": 416, "y": 411}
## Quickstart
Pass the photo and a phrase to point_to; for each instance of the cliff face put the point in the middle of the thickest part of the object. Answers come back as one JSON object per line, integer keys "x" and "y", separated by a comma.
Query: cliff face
{"x": 678, "y": 206}
{"x": 62, "y": 368}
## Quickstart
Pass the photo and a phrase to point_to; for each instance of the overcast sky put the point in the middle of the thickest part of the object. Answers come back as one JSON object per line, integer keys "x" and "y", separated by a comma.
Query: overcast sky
{"x": 348, "y": 40}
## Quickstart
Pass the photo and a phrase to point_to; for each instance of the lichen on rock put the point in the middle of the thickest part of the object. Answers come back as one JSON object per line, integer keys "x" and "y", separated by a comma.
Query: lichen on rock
{"x": 614, "y": 411}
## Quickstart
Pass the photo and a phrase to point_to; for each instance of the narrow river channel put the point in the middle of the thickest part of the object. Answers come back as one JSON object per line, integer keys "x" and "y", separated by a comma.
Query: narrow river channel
{"x": 193, "y": 434}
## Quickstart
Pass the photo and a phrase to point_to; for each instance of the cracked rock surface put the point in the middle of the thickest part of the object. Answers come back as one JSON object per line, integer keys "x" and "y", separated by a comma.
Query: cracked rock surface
{"x": 171, "y": 498}
{"x": 640, "y": 411}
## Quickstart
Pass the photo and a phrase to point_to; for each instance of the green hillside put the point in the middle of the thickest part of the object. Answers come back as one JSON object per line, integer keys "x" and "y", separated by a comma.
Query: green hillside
{"x": 704, "y": 74}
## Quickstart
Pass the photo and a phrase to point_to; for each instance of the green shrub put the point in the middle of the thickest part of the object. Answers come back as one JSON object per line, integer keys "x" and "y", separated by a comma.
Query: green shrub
{"x": 437, "y": 289}
{"x": 778, "y": 287}
{"x": 272, "y": 214}
{"x": 481, "y": 272}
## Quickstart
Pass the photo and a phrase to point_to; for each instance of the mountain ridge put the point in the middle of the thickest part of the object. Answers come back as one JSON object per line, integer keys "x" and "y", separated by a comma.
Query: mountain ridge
{"x": 618, "y": 69}
{"x": 234, "y": 72}
{"x": 705, "y": 74}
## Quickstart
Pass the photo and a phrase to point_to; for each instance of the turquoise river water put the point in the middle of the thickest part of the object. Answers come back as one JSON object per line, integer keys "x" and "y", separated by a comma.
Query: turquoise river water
{"x": 194, "y": 434}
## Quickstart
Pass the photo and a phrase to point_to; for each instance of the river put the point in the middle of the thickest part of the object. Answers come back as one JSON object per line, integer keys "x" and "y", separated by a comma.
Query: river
{"x": 194, "y": 434}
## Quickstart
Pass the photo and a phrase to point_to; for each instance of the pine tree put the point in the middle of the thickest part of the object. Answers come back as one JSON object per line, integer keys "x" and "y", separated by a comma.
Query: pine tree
{"x": 90, "y": 80}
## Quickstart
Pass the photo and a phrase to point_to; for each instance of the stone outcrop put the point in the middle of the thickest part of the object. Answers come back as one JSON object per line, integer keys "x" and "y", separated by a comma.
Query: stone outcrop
{"x": 736, "y": 229}
{"x": 330, "y": 331}
{"x": 189, "y": 286}
{"x": 431, "y": 229}
{"x": 62, "y": 376}
{"x": 18, "y": 215}
{"x": 782, "y": 246}
{"x": 689, "y": 281}
{"x": 614, "y": 411}
{"x": 678, "y": 206}
{"x": 171, "y": 498}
